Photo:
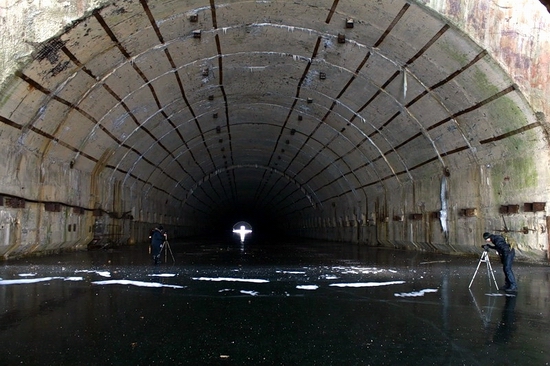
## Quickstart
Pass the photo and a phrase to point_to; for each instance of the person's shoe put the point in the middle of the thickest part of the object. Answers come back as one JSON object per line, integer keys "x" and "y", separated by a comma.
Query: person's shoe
{"x": 512, "y": 289}
{"x": 504, "y": 288}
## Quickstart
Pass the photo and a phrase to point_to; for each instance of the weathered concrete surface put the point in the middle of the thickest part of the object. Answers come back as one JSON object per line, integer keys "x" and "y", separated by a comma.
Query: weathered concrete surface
{"x": 408, "y": 124}
{"x": 516, "y": 33}
{"x": 27, "y": 23}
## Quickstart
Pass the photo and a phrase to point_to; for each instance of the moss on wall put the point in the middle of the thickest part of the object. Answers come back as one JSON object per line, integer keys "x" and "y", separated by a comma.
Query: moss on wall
{"x": 483, "y": 83}
{"x": 510, "y": 117}
{"x": 454, "y": 53}
{"x": 513, "y": 176}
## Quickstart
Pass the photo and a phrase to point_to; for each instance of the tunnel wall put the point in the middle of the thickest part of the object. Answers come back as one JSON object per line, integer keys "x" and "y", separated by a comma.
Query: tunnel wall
{"x": 516, "y": 34}
{"x": 506, "y": 31}
{"x": 506, "y": 198}
{"x": 49, "y": 206}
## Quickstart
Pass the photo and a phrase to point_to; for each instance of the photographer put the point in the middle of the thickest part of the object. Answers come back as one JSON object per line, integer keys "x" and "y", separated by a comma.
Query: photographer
{"x": 506, "y": 254}
{"x": 158, "y": 237}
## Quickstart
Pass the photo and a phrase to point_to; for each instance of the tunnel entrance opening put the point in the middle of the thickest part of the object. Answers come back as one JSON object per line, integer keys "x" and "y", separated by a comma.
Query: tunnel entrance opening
{"x": 267, "y": 226}
{"x": 242, "y": 229}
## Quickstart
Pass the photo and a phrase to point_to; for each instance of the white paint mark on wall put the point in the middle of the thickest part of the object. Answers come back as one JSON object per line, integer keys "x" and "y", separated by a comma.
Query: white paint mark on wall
{"x": 444, "y": 206}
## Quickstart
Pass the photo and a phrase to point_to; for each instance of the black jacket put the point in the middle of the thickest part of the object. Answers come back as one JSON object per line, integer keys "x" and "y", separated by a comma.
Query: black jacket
{"x": 157, "y": 237}
{"x": 499, "y": 244}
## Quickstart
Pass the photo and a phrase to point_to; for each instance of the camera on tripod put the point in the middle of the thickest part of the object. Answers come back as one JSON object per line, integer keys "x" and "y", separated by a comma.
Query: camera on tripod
{"x": 485, "y": 258}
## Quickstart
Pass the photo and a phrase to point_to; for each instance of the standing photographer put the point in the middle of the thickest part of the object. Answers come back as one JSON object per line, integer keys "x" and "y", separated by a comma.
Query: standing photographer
{"x": 158, "y": 236}
{"x": 507, "y": 255}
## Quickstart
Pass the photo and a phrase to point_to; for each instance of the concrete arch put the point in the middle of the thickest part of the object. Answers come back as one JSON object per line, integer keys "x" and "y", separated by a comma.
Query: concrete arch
{"x": 343, "y": 116}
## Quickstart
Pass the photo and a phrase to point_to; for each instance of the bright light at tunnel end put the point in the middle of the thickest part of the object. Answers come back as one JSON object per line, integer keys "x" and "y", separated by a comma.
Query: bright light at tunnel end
{"x": 242, "y": 228}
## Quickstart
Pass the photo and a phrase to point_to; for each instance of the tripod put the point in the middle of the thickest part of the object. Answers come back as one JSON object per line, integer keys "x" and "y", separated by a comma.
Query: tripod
{"x": 485, "y": 258}
{"x": 167, "y": 245}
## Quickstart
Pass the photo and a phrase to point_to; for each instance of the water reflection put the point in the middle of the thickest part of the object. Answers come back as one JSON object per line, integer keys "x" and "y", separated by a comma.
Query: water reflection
{"x": 299, "y": 303}
{"x": 507, "y": 325}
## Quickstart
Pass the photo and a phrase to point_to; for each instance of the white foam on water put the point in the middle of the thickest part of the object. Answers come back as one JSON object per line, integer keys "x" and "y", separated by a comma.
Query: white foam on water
{"x": 251, "y": 293}
{"x": 415, "y": 293}
{"x": 368, "y": 270}
{"x": 74, "y": 278}
{"x": 162, "y": 275}
{"x": 361, "y": 270}
{"x": 292, "y": 272}
{"x": 350, "y": 271}
{"x": 101, "y": 273}
{"x": 307, "y": 287}
{"x": 37, "y": 280}
{"x": 367, "y": 284}
{"x": 27, "y": 274}
{"x": 229, "y": 279}
{"x": 28, "y": 280}
{"x": 134, "y": 283}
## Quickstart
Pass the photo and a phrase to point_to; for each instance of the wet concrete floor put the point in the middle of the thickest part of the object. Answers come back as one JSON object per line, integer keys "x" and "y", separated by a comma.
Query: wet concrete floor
{"x": 299, "y": 303}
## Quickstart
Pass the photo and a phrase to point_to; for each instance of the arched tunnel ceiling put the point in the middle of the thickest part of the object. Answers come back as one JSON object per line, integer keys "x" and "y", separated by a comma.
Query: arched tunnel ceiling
{"x": 281, "y": 106}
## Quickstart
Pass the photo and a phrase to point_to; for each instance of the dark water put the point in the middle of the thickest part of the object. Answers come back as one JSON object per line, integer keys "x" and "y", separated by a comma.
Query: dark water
{"x": 307, "y": 303}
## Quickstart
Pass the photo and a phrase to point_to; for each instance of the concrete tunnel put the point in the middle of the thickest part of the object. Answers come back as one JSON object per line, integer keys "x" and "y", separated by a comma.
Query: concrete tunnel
{"x": 414, "y": 124}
